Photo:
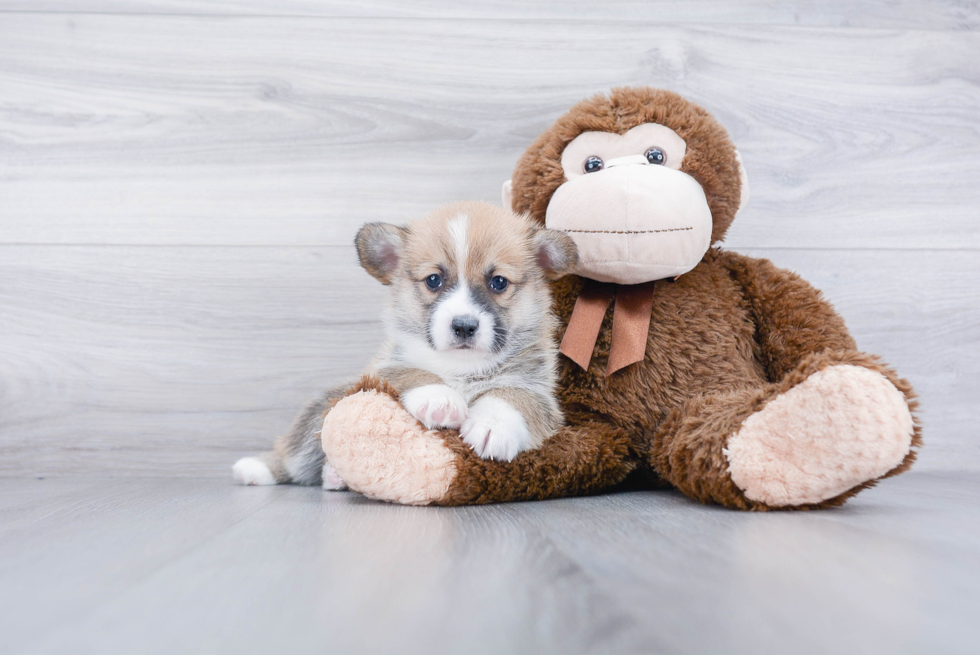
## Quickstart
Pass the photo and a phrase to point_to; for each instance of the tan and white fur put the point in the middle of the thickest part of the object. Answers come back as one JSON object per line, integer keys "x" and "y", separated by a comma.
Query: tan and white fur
{"x": 470, "y": 336}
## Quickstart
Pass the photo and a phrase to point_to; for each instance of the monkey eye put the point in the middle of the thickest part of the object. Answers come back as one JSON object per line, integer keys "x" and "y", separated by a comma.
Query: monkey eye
{"x": 498, "y": 283}
{"x": 655, "y": 156}
{"x": 593, "y": 164}
{"x": 433, "y": 282}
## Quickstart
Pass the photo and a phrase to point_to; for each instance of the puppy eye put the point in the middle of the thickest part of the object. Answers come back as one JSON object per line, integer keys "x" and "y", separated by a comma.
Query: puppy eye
{"x": 498, "y": 283}
{"x": 656, "y": 156}
{"x": 593, "y": 164}
{"x": 433, "y": 282}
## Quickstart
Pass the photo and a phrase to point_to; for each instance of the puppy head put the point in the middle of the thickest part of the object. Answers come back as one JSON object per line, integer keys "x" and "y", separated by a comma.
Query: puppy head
{"x": 469, "y": 280}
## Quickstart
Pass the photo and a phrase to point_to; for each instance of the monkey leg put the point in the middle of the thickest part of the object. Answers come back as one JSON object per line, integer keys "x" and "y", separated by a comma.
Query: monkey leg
{"x": 831, "y": 427}
{"x": 381, "y": 451}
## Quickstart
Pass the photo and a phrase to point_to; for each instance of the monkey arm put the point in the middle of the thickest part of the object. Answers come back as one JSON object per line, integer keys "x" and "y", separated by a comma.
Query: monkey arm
{"x": 382, "y": 452}
{"x": 792, "y": 319}
{"x": 575, "y": 461}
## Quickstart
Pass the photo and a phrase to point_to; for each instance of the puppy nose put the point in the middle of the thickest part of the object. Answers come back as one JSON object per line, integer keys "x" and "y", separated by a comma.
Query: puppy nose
{"x": 465, "y": 327}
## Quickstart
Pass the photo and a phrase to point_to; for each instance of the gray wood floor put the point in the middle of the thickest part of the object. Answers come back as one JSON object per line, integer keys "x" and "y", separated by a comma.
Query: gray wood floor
{"x": 201, "y": 566}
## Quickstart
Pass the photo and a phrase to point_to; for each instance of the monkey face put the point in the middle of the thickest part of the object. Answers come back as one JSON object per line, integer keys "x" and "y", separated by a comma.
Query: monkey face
{"x": 642, "y": 179}
{"x": 634, "y": 215}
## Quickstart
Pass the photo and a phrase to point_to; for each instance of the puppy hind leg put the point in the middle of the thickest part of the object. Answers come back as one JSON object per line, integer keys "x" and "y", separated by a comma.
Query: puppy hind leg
{"x": 301, "y": 451}
{"x": 296, "y": 457}
{"x": 331, "y": 479}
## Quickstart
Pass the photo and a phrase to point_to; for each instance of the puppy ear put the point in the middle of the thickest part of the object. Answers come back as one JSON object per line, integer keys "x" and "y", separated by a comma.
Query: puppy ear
{"x": 555, "y": 252}
{"x": 379, "y": 248}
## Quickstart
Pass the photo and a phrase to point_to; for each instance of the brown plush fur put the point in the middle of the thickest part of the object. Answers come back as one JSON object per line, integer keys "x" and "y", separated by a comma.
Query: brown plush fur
{"x": 724, "y": 340}
{"x": 578, "y": 460}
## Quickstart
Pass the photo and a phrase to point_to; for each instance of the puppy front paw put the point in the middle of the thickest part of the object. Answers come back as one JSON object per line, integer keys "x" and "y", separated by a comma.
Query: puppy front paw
{"x": 495, "y": 430}
{"x": 435, "y": 406}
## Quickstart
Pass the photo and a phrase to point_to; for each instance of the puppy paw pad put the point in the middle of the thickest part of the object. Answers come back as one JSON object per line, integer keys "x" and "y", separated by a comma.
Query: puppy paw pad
{"x": 332, "y": 480}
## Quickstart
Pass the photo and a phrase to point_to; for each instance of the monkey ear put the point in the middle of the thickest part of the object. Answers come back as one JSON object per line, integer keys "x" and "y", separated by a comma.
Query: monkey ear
{"x": 507, "y": 195}
{"x": 744, "y": 179}
{"x": 556, "y": 253}
{"x": 379, "y": 248}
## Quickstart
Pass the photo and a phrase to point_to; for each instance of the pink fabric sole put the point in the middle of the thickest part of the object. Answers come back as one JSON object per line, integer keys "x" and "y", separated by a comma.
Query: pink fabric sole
{"x": 841, "y": 427}
{"x": 381, "y": 451}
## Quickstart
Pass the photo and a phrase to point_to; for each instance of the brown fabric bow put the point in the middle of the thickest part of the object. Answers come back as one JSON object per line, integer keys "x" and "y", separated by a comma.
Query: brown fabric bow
{"x": 631, "y": 323}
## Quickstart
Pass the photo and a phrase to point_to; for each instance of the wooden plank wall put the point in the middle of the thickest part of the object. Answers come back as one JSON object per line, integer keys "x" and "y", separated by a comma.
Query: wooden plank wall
{"x": 180, "y": 181}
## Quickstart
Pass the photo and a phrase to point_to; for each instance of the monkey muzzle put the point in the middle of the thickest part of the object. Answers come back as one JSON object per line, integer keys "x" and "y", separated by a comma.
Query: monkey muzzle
{"x": 633, "y": 221}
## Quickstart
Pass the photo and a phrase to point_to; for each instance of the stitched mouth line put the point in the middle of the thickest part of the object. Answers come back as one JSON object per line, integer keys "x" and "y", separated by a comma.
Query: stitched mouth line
{"x": 672, "y": 229}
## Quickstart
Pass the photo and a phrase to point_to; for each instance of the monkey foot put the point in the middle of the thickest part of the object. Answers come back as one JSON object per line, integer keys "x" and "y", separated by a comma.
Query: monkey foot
{"x": 381, "y": 451}
{"x": 841, "y": 427}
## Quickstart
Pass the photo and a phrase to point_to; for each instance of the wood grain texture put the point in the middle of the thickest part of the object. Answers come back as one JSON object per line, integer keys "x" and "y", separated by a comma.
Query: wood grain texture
{"x": 914, "y": 14}
{"x": 201, "y": 566}
{"x": 73, "y": 545}
{"x": 175, "y": 361}
{"x": 257, "y": 131}
{"x": 149, "y": 358}
{"x": 178, "y": 193}
{"x": 179, "y": 185}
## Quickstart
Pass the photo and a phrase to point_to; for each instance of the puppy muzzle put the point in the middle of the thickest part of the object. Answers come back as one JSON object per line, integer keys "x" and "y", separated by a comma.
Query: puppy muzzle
{"x": 633, "y": 221}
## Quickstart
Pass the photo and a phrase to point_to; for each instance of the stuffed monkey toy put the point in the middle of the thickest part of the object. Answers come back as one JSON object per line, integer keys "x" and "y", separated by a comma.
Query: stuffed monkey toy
{"x": 683, "y": 364}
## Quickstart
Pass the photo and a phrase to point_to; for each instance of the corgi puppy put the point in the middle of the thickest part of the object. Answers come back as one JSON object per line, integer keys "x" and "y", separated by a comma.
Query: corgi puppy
{"x": 469, "y": 336}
